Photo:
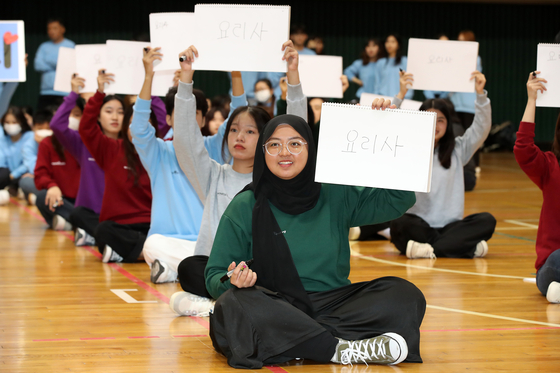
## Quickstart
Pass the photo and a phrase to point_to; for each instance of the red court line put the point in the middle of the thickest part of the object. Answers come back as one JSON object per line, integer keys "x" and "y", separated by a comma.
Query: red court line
{"x": 95, "y": 339}
{"x": 190, "y": 336}
{"x": 275, "y": 369}
{"x": 50, "y": 340}
{"x": 148, "y": 337}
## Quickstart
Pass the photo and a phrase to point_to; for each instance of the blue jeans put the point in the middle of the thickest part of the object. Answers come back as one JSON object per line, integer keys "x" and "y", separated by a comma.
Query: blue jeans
{"x": 550, "y": 271}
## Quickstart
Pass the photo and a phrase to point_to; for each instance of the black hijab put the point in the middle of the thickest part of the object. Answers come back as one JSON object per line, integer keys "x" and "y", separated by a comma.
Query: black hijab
{"x": 273, "y": 263}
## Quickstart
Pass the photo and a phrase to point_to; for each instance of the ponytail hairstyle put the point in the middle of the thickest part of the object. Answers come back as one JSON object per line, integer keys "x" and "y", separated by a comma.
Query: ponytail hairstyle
{"x": 58, "y": 148}
{"x": 556, "y": 142}
{"x": 447, "y": 143}
{"x": 132, "y": 160}
{"x": 260, "y": 116}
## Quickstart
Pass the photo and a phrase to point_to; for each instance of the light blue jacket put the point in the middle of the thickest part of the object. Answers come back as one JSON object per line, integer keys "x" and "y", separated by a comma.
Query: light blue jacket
{"x": 11, "y": 153}
{"x": 387, "y": 77}
{"x": 176, "y": 207}
{"x": 29, "y": 152}
{"x": 45, "y": 63}
{"x": 366, "y": 73}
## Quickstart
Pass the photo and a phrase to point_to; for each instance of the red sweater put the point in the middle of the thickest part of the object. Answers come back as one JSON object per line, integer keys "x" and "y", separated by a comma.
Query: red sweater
{"x": 51, "y": 170}
{"x": 543, "y": 169}
{"x": 123, "y": 202}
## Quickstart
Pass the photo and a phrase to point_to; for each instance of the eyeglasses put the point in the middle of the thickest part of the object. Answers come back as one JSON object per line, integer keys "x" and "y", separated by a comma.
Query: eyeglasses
{"x": 275, "y": 147}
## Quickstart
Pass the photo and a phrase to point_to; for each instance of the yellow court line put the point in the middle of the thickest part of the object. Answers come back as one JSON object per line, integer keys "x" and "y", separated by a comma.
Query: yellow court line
{"x": 493, "y": 316}
{"x": 515, "y": 228}
{"x": 373, "y": 259}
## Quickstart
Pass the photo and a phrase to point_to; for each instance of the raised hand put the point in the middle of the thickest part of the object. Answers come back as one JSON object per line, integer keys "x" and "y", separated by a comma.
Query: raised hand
{"x": 291, "y": 56}
{"x": 382, "y": 104}
{"x": 186, "y": 59}
{"x": 102, "y": 78}
{"x": 535, "y": 84}
{"x": 345, "y": 83}
{"x": 151, "y": 55}
{"x": 479, "y": 81}
{"x": 77, "y": 83}
{"x": 406, "y": 80}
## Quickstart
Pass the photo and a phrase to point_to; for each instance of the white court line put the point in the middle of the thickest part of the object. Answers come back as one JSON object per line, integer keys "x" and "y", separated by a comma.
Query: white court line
{"x": 493, "y": 316}
{"x": 517, "y": 222}
{"x": 373, "y": 259}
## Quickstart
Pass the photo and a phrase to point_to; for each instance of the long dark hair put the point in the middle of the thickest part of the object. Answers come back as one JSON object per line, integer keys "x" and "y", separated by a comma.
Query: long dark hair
{"x": 269, "y": 109}
{"x": 209, "y": 116}
{"x": 129, "y": 150}
{"x": 20, "y": 118}
{"x": 447, "y": 143}
{"x": 556, "y": 142}
{"x": 260, "y": 116}
{"x": 107, "y": 99}
{"x": 380, "y": 52}
{"x": 398, "y": 57}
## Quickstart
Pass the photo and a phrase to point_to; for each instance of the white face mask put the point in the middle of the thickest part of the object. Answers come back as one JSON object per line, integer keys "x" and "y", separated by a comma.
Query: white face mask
{"x": 12, "y": 129}
{"x": 73, "y": 123}
{"x": 263, "y": 95}
{"x": 44, "y": 133}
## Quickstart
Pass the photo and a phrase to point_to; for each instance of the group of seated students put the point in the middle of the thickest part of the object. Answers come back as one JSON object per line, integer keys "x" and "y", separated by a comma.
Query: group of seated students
{"x": 237, "y": 218}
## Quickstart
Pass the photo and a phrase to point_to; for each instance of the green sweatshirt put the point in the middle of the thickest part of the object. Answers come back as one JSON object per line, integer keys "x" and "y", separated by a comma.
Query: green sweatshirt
{"x": 318, "y": 238}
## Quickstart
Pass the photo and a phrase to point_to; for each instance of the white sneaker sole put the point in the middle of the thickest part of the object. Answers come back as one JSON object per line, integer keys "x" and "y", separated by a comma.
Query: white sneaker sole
{"x": 403, "y": 347}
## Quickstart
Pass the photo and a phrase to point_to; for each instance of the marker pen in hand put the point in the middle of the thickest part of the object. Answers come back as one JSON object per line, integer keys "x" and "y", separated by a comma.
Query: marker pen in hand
{"x": 182, "y": 58}
{"x": 228, "y": 275}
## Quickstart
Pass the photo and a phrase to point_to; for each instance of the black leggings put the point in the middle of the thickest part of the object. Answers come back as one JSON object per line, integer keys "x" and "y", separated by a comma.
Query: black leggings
{"x": 127, "y": 240}
{"x": 191, "y": 275}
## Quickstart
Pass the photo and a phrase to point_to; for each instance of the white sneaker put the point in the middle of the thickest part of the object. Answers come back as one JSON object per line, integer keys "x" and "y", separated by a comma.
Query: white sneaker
{"x": 82, "y": 238}
{"x": 60, "y": 224}
{"x": 354, "y": 233}
{"x": 4, "y": 197}
{"x": 188, "y": 304}
{"x": 31, "y": 199}
{"x": 110, "y": 255}
{"x": 386, "y": 349}
{"x": 416, "y": 250}
{"x": 481, "y": 249}
{"x": 158, "y": 272}
{"x": 553, "y": 292}
{"x": 385, "y": 233}
{"x": 20, "y": 194}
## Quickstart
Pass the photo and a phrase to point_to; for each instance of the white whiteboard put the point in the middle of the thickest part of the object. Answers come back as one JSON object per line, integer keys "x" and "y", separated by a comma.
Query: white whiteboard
{"x": 548, "y": 63}
{"x": 89, "y": 59}
{"x": 320, "y": 76}
{"x": 366, "y": 99}
{"x": 442, "y": 65}
{"x": 124, "y": 59}
{"x": 163, "y": 80}
{"x": 241, "y": 37}
{"x": 12, "y": 59}
{"x": 391, "y": 149}
{"x": 173, "y": 32}
{"x": 65, "y": 68}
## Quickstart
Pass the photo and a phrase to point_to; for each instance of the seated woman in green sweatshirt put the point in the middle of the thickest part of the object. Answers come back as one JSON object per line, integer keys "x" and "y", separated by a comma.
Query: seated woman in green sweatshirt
{"x": 296, "y": 300}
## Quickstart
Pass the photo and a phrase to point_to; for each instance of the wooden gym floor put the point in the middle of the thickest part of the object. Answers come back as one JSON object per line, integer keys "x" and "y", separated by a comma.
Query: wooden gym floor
{"x": 62, "y": 310}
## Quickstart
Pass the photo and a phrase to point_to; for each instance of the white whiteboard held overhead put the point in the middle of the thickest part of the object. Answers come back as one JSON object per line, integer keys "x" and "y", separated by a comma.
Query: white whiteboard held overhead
{"x": 65, "y": 68}
{"x": 548, "y": 63}
{"x": 241, "y": 37}
{"x": 173, "y": 33}
{"x": 391, "y": 149}
{"x": 320, "y": 76}
{"x": 366, "y": 99}
{"x": 12, "y": 58}
{"x": 442, "y": 65}
{"x": 90, "y": 58}
{"x": 163, "y": 80}
{"x": 124, "y": 59}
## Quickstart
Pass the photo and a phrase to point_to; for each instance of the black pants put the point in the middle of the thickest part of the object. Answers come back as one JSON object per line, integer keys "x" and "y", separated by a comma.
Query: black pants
{"x": 455, "y": 240}
{"x": 255, "y": 326}
{"x": 63, "y": 210}
{"x": 467, "y": 121}
{"x": 369, "y": 232}
{"x": 85, "y": 218}
{"x": 49, "y": 100}
{"x": 191, "y": 275}
{"x": 5, "y": 181}
{"x": 127, "y": 240}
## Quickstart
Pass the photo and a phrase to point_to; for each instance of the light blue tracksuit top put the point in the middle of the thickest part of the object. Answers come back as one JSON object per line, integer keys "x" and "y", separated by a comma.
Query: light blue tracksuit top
{"x": 11, "y": 154}
{"x": 176, "y": 207}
